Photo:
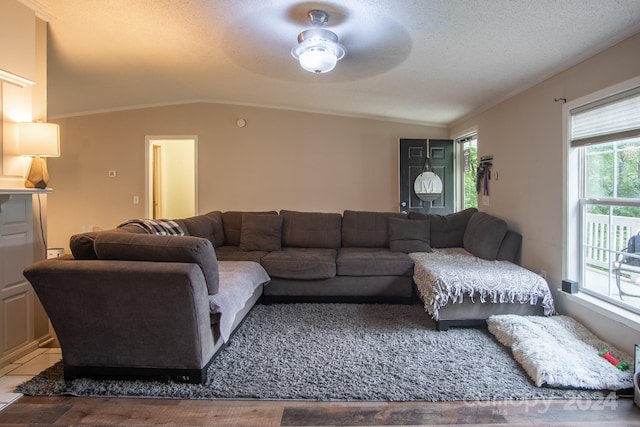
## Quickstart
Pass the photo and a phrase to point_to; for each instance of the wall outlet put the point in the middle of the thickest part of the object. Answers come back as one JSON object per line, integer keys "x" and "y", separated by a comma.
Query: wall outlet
{"x": 112, "y": 173}
{"x": 136, "y": 200}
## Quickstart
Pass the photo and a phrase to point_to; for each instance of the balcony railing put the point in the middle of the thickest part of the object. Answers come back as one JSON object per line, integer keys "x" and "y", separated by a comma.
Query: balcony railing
{"x": 604, "y": 240}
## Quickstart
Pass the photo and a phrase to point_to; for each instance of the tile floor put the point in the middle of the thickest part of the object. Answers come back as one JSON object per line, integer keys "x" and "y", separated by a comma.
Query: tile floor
{"x": 23, "y": 370}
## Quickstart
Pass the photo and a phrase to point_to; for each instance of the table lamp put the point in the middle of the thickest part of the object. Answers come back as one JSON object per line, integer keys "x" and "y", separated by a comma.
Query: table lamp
{"x": 38, "y": 140}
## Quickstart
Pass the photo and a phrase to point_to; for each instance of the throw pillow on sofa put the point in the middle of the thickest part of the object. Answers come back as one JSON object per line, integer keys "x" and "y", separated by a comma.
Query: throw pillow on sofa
{"x": 152, "y": 247}
{"x": 261, "y": 233}
{"x": 409, "y": 235}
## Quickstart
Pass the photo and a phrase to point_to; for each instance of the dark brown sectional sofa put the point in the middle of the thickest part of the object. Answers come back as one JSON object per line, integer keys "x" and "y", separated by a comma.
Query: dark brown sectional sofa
{"x": 124, "y": 295}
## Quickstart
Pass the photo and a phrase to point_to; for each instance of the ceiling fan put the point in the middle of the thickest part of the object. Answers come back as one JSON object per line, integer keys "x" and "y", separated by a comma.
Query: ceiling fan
{"x": 318, "y": 49}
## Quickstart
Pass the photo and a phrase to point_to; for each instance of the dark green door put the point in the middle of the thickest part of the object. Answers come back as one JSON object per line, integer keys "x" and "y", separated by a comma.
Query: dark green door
{"x": 412, "y": 161}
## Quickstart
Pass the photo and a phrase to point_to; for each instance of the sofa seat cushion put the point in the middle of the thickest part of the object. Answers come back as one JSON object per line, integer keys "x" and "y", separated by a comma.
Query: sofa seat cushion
{"x": 234, "y": 253}
{"x": 373, "y": 262}
{"x": 301, "y": 263}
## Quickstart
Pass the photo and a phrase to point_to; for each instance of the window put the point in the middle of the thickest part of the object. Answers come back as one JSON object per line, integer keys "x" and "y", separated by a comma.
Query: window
{"x": 468, "y": 146}
{"x": 605, "y": 141}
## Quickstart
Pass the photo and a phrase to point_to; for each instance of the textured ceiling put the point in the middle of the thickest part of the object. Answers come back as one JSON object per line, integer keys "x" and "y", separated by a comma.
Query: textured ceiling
{"x": 422, "y": 61}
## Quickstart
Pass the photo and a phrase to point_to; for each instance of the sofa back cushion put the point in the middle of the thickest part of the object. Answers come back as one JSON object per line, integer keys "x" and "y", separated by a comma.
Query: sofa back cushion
{"x": 361, "y": 229}
{"x": 484, "y": 235}
{"x": 447, "y": 231}
{"x": 311, "y": 229}
{"x": 81, "y": 245}
{"x": 152, "y": 247}
{"x": 232, "y": 225}
{"x": 261, "y": 232}
{"x": 208, "y": 226}
{"x": 409, "y": 235}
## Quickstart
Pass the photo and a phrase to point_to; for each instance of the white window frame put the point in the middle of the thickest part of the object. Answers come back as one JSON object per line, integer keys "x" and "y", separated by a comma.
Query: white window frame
{"x": 572, "y": 177}
{"x": 459, "y": 176}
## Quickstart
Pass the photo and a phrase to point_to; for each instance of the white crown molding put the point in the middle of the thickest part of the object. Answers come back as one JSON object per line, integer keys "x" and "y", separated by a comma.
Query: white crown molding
{"x": 39, "y": 9}
{"x": 15, "y": 79}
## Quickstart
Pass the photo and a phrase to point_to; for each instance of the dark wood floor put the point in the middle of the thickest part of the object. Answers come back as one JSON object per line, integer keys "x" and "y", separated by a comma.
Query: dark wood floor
{"x": 67, "y": 411}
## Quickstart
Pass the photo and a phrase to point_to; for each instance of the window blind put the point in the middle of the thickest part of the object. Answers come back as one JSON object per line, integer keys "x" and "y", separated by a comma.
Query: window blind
{"x": 613, "y": 118}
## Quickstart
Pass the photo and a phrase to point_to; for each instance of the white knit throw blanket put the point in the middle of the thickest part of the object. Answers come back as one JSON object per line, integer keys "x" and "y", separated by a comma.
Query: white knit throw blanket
{"x": 449, "y": 275}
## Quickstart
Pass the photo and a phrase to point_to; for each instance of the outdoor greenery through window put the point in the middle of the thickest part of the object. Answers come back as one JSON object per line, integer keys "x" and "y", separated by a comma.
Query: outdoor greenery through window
{"x": 607, "y": 133}
{"x": 469, "y": 146}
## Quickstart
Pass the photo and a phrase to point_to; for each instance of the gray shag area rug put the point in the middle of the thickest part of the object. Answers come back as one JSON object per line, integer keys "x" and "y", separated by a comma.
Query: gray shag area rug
{"x": 347, "y": 352}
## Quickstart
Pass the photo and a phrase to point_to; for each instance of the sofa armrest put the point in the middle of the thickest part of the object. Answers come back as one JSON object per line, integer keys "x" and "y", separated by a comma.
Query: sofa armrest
{"x": 510, "y": 247}
{"x": 158, "y": 248}
{"x": 132, "y": 314}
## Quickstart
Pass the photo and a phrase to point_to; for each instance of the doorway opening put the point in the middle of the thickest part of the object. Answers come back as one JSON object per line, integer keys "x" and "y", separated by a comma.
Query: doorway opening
{"x": 171, "y": 176}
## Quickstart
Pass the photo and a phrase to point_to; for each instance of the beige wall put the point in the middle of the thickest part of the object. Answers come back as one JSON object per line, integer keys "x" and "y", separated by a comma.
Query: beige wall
{"x": 280, "y": 160}
{"x": 524, "y": 133}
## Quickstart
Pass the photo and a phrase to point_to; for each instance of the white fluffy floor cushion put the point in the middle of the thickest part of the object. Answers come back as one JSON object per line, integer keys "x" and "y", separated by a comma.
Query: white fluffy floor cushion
{"x": 558, "y": 351}
{"x": 449, "y": 275}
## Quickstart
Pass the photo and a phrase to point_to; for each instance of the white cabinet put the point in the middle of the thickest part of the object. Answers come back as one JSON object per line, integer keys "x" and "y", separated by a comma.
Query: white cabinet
{"x": 20, "y": 245}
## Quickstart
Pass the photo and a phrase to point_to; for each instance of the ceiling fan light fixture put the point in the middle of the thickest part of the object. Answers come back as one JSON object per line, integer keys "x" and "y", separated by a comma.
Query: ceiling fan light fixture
{"x": 318, "y": 49}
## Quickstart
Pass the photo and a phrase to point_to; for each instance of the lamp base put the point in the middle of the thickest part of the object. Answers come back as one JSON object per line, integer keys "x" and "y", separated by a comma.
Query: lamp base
{"x": 37, "y": 175}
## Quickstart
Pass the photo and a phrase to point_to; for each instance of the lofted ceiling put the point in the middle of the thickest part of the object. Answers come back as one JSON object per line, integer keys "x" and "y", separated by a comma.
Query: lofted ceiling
{"x": 417, "y": 61}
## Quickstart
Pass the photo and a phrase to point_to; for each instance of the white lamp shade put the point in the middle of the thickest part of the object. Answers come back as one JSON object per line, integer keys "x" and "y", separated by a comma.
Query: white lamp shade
{"x": 318, "y": 61}
{"x": 39, "y": 139}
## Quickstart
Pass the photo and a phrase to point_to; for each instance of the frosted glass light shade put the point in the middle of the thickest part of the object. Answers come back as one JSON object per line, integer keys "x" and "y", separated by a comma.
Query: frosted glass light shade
{"x": 318, "y": 50}
{"x": 39, "y": 139}
{"x": 318, "y": 61}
